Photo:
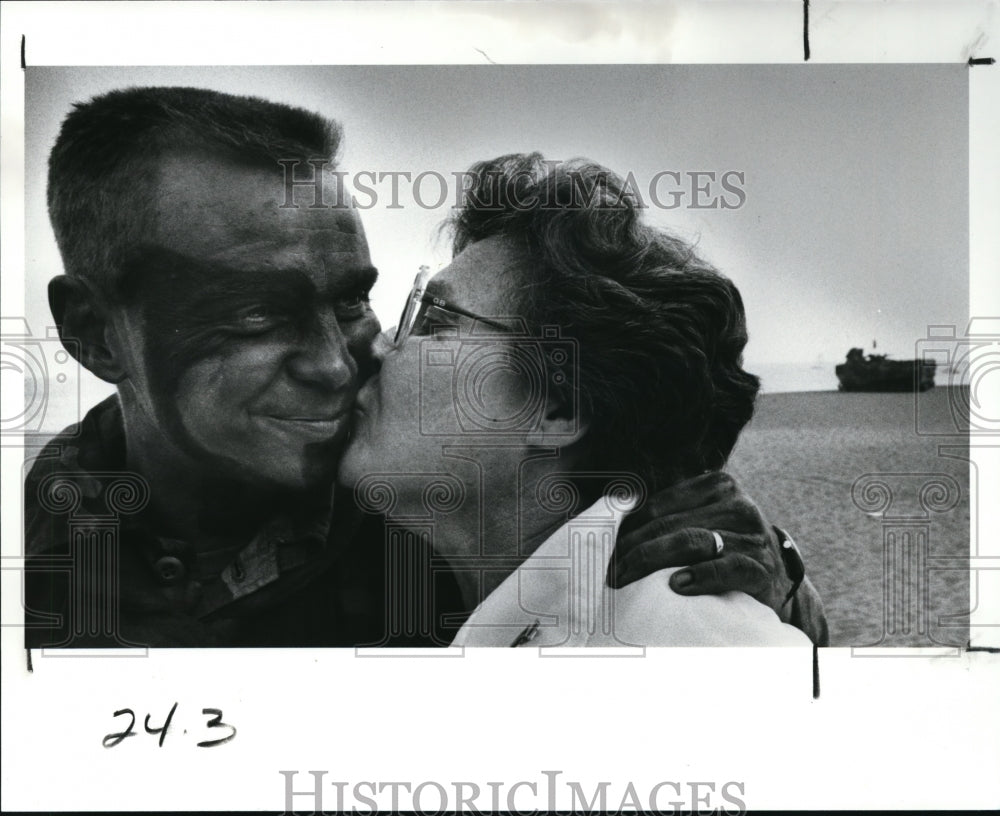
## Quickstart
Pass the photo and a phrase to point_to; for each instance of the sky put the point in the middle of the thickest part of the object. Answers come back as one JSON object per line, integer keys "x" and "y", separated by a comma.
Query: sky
{"x": 853, "y": 228}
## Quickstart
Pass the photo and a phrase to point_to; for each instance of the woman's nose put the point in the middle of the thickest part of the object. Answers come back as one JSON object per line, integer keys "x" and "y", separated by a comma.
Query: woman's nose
{"x": 382, "y": 345}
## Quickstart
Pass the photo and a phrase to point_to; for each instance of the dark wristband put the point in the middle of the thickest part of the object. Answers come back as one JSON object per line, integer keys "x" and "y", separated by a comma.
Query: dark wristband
{"x": 795, "y": 568}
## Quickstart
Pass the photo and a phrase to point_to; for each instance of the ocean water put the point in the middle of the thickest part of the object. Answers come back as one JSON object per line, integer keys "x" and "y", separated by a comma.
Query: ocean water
{"x": 783, "y": 378}
{"x": 780, "y": 378}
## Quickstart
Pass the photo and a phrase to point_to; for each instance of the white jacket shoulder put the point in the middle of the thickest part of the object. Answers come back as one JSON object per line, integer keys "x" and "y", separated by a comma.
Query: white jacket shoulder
{"x": 649, "y": 613}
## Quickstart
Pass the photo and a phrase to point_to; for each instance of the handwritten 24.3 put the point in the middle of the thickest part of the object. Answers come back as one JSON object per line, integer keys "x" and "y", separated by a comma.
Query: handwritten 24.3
{"x": 217, "y": 731}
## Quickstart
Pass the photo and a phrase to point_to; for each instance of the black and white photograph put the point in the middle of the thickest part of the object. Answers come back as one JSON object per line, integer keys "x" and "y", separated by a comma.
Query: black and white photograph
{"x": 320, "y": 369}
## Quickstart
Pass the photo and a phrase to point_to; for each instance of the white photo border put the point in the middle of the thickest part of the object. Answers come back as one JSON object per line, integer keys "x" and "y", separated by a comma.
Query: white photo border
{"x": 884, "y": 733}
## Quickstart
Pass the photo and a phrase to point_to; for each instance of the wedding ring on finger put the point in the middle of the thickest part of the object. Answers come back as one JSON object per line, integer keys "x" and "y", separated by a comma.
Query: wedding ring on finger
{"x": 719, "y": 543}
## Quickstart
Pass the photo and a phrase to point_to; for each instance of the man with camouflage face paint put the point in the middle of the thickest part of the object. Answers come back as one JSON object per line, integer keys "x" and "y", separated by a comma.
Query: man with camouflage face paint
{"x": 232, "y": 315}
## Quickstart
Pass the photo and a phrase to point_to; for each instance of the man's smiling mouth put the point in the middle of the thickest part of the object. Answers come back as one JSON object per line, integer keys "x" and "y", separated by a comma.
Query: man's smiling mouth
{"x": 321, "y": 426}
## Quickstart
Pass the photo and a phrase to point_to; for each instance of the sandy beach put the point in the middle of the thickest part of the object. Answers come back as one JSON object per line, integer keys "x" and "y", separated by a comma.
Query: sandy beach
{"x": 800, "y": 458}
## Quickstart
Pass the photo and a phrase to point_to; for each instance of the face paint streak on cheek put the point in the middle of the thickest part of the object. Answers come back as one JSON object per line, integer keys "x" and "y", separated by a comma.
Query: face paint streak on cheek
{"x": 229, "y": 383}
{"x": 201, "y": 402}
{"x": 162, "y": 371}
{"x": 132, "y": 344}
{"x": 264, "y": 364}
{"x": 191, "y": 400}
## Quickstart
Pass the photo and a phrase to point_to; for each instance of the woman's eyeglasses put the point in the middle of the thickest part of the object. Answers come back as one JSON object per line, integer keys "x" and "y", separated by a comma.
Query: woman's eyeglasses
{"x": 423, "y": 311}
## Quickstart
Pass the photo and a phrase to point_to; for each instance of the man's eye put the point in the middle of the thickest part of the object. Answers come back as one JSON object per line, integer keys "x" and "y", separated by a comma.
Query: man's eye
{"x": 257, "y": 318}
{"x": 354, "y": 305}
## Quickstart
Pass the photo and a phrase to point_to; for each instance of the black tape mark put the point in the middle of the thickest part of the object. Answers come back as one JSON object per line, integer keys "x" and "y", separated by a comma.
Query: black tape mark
{"x": 805, "y": 29}
{"x": 23, "y": 64}
{"x": 31, "y": 669}
{"x": 487, "y": 56}
{"x": 815, "y": 672}
{"x": 987, "y": 649}
{"x": 981, "y": 61}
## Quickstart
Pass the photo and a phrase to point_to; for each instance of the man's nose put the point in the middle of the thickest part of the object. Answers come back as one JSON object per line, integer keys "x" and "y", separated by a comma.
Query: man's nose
{"x": 323, "y": 358}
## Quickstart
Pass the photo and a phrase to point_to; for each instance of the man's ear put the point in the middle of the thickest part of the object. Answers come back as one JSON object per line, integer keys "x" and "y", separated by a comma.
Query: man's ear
{"x": 84, "y": 328}
{"x": 562, "y": 425}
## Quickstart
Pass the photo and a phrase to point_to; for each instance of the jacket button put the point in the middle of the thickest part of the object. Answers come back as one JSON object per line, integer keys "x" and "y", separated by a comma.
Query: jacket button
{"x": 170, "y": 569}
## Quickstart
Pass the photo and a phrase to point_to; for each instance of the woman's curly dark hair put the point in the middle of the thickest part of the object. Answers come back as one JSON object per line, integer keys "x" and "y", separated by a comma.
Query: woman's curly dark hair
{"x": 660, "y": 333}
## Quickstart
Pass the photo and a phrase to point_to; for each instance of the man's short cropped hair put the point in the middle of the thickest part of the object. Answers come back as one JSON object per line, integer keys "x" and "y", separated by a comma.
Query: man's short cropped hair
{"x": 105, "y": 162}
{"x": 660, "y": 333}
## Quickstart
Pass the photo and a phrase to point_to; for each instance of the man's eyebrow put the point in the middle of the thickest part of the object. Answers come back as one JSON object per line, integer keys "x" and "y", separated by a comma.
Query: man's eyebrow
{"x": 216, "y": 274}
{"x": 152, "y": 258}
{"x": 352, "y": 277}
{"x": 359, "y": 277}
